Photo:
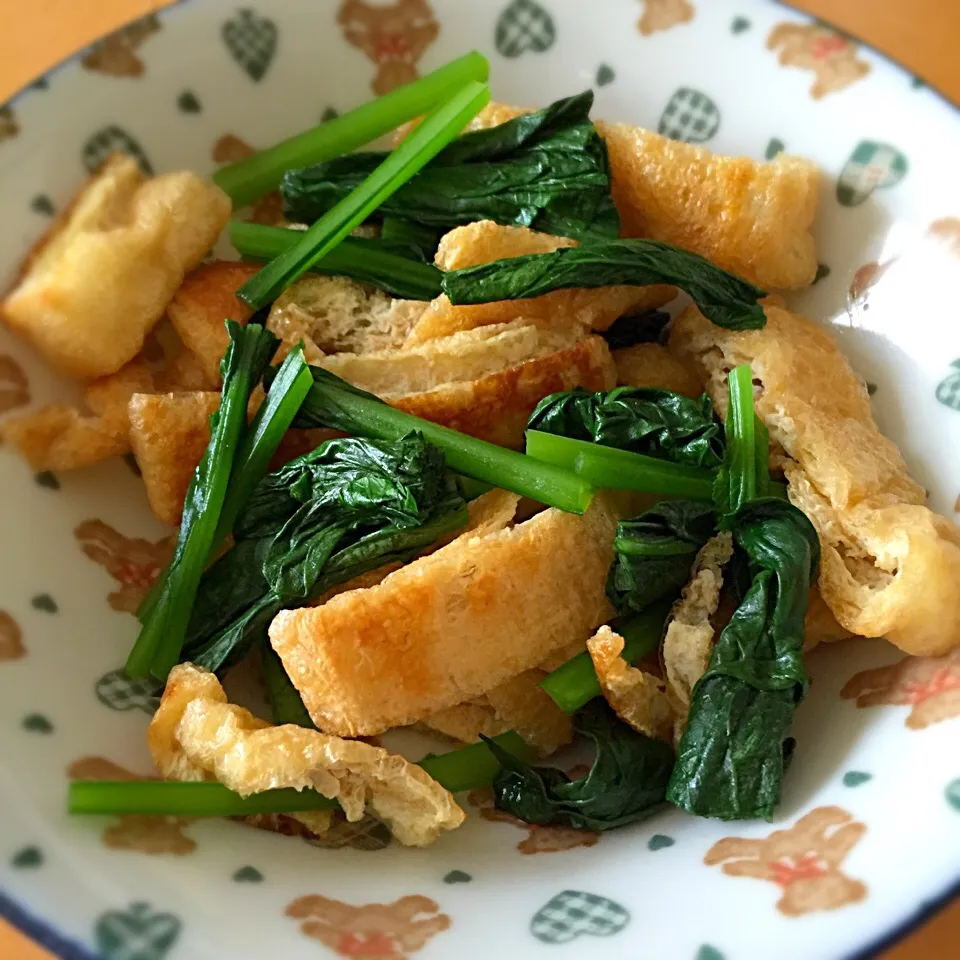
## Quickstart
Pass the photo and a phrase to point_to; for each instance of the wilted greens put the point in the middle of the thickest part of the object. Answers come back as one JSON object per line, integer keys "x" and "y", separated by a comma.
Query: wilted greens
{"x": 655, "y": 552}
{"x": 345, "y": 508}
{"x": 547, "y": 170}
{"x": 731, "y": 757}
{"x": 626, "y": 783}
{"x": 645, "y": 420}
{"x": 724, "y": 298}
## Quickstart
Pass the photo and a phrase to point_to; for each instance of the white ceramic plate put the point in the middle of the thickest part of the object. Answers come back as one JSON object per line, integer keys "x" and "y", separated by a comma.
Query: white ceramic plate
{"x": 867, "y": 836}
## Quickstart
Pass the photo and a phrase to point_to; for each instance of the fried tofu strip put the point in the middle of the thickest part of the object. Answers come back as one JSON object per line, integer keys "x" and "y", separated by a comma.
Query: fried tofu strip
{"x": 748, "y": 217}
{"x": 890, "y": 566}
{"x": 484, "y": 382}
{"x": 450, "y": 626}
{"x": 688, "y": 644}
{"x": 169, "y": 433}
{"x": 197, "y": 735}
{"x": 638, "y": 698}
{"x": 206, "y": 298}
{"x": 61, "y": 437}
{"x": 482, "y": 242}
{"x": 101, "y": 278}
{"x": 652, "y": 365}
{"x": 519, "y": 704}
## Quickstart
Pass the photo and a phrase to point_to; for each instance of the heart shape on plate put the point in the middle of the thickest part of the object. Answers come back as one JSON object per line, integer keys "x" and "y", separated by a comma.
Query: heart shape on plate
{"x": 573, "y": 913}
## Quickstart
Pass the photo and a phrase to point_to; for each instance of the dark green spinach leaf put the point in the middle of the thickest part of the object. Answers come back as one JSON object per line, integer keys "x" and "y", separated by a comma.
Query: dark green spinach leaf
{"x": 626, "y": 783}
{"x": 645, "y": 420}
{"x": 725, "y": 299}
{"x": 731, "y": 757}
{"x": 347, "y": 507}
{"x": 546, "y": 170}
{"x": 655, "y": 552}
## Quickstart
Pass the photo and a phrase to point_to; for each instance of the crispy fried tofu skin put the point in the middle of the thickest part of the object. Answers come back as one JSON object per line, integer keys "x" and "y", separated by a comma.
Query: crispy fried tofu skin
{"x": 61, "y": 437}
{"x": 197, "y": 735}
{"x": 688, "y": 643}
{"x": 748, "y": 217}
{"x": 652, "y": 365}
{"x": 890, "y": 566}
{"x": 519, "y": 704}
{"x": 484, "y": 382}
{"x": 481, "y": 242}
{"x": 451, "y": 626}
{"x": 638, "y": 698}
{"x": 198, "y": 309}
{"x": 97, "y": 283}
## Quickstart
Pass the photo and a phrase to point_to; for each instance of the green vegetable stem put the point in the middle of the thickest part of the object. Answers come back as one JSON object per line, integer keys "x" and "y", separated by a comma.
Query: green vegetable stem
{"x": 334, "y": 403}
{"x": 366, "y": 260}
{"x": 614, "y": 469}
{"x": 437, "y": 130}
{"x": 161, "y": 637}
{"x": 547, "y": 170}
{"x": 249, "y": 179}
{"x": 464, "y": 769}
{"x": 725, "y": 299}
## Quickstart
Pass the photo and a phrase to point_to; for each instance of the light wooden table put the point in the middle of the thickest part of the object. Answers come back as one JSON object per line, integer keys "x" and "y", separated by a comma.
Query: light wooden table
{"x": 923, "y": 35}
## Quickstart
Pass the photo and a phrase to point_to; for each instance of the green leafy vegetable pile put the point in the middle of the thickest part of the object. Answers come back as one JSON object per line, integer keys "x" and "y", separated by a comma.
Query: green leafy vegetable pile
{"x": 546, "y": 170}
{"x": 347, "y": 507}
{"x": 626, "y": 783}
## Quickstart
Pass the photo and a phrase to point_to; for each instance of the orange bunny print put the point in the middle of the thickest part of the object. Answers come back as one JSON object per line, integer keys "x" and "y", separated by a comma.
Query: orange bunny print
{"x": 539, "y": 839}
{"x": 116, "y": 54}
{"x": 663, "y": 14}
{"x": 134, "y": 563}
{"x": 11, "y": 638}
{"x": 810, "y": 46}
{"x": 143, "y": 834}
{"x": 803, "y": 861}
{"x": 930, "y": 686}
{"x": 394, "y": 37}
{"x": 374, "y": 931}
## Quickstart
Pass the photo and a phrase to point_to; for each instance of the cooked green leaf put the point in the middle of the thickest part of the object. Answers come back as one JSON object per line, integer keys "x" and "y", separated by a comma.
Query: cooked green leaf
{"x": 724, "y": 298}
{"x": 655, "y": 552}
{"x": 644, "y": 420}
{"x": 347, "y": 507}
{"x": 731, "y": 757}
{"x": 546, "y": 170}
{"x": 626, "y": 783}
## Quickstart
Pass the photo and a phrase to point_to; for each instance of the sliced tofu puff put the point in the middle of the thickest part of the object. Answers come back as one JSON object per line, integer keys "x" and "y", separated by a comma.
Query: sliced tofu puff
{"x": 638, "y": 698}
{"x": 688, "y": 643}
{"x": 99, "y": 281}
{"x": 197, "y": 735}
{"x": 61, "y": 437}
{"x": 751, "y": 218}
{"x": 484, "y": 241}
{"x": 484, "y": 382}
{"x": 519, "y": 704}
{"x": 652, "y": 365}
{"x": 890, "y": 566}
{"x": 453, "y": 625}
